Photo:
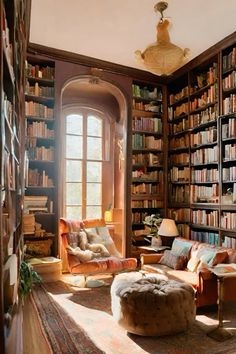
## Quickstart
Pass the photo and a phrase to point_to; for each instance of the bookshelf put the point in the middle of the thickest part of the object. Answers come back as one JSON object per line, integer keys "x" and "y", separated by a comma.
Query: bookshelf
{"x": 14, "y": 36}
{"x": 40, "y": 201}
{"x": 179, "y": 155}
{"x": 147, "y": 153}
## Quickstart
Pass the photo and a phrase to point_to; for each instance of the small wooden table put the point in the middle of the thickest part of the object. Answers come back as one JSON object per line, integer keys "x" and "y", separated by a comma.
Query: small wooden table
{"x": 225, "y": 271}
{"x": 151, "y": 249}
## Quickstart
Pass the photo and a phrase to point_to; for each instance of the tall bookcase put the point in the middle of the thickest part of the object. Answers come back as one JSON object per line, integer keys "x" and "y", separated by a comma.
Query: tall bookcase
{"x": 40, "y": 201}
{"x": 202, "y": 150}
{"x": 147, "y": 195}
{"x": 14, "y": 34}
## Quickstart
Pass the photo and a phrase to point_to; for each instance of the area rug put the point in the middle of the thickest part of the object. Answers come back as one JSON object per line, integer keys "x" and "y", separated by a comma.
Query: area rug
{"x": 63, "y": 334}
{"x": 90, "y": 311}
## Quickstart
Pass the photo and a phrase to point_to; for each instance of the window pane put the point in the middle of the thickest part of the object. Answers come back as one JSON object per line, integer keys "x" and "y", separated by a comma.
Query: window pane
{"x": 74, "y": 146}
{"x": 94, "y": 172}
{"x": 93, "y": 212}
{"x": 73, "y": 193}
{"x": 94, "y": 148}
{"x": 73, "y": 171}
{"x": 74, "y": 124}
{"x": 73, "y": 212}
{"x": 94, "y": 126}
{"x": 94, "y": 194}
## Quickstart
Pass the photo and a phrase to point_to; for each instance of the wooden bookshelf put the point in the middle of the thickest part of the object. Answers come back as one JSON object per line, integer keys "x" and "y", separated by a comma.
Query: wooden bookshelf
{"x": 14, "y": 26}
{"x": 41, "y": 168}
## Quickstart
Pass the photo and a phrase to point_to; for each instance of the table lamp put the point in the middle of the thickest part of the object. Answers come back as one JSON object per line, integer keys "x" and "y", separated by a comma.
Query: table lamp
{"x": 168, "y": 231}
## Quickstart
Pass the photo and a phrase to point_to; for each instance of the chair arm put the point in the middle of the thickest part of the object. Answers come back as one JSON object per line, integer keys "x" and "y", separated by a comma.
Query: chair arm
{"x": 205, "y": 274}
{"x": 150, "y": 258}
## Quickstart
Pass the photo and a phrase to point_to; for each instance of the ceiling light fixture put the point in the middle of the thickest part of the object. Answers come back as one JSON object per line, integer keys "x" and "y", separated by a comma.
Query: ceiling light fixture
{"x": 162, "y": 57}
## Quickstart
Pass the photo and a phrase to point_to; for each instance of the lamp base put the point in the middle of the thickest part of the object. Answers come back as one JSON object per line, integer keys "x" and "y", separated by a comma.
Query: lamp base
{"x": 220, "y": 334}
{"x": 167, "y": 241}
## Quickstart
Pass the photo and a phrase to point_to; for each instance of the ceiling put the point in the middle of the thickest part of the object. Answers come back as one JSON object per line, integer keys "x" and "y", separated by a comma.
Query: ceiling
{"x": 112, "y": 30}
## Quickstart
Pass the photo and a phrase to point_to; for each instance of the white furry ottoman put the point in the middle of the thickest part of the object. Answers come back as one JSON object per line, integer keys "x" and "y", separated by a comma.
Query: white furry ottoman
{"x": 152, "y": 305}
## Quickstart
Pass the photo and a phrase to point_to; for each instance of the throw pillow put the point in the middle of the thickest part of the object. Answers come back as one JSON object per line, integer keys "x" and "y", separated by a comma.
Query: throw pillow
{"x": 181, "y": 247}
{"x": 72, "y": 239}
{"x": 220, "y": 257}
{"x": 105, "y": 234}
{"x": 193, "y": 263}
{"x": 93, "y": 237}
{"x": 206, "y": 254}
{"x": 173, "y": 260}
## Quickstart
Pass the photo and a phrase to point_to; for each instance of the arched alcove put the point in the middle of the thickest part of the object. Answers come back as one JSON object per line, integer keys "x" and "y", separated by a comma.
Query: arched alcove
{"x": 108, "y": 100}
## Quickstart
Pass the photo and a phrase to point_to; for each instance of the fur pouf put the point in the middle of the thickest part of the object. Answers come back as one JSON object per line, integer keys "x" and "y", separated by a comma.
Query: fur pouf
{"x": 152, "y": 305}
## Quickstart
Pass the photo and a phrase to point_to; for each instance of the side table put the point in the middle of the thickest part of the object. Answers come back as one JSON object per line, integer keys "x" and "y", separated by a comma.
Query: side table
{"x": 224, "y": 271}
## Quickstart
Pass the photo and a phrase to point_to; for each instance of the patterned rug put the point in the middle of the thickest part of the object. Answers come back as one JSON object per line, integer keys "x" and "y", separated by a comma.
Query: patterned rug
{"x": 63, "y": 334}
{"x": 79, "y": 320}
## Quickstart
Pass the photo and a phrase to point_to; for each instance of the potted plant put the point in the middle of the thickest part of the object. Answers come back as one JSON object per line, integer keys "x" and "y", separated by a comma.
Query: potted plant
{"x": 153, "y": 222}
{"x": 28, "y": 277}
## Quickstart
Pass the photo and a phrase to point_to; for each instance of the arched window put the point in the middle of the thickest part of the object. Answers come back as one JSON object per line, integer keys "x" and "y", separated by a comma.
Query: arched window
{"x": 84, "y": 155}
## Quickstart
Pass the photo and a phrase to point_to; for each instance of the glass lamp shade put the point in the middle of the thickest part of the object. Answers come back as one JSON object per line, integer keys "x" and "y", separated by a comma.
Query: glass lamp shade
{"x": 108, "y": 216}
{"x": 168, "y": 228}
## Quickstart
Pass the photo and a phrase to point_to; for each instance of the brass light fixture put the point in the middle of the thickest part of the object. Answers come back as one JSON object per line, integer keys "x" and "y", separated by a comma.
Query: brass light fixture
{"x": 162, "y": 57}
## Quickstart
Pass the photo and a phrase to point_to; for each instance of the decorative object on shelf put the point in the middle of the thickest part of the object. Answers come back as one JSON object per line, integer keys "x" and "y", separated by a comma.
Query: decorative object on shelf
{"x": 108, "y": 214}
{"x": 163, "y": 57}
{"x": 168, "y": 231}
{"x": 153, "y": 222}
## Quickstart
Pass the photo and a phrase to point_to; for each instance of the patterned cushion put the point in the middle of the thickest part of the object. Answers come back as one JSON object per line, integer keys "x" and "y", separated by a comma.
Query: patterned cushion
{"x": 181, "y": 247}
{"x": 173, "y": 260}
{"x": 220, "y": 257}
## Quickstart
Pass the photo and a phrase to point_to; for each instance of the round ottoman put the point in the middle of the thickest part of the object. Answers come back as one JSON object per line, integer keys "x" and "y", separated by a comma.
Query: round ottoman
{"x": 152, "y": 305}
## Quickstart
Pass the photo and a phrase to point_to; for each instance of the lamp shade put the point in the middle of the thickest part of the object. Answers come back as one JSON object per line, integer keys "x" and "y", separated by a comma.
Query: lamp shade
{"x": 168, "y": 228}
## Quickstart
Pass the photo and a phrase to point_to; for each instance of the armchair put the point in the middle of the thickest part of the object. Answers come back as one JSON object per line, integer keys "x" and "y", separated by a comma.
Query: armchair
{"x": 97, "y": 227}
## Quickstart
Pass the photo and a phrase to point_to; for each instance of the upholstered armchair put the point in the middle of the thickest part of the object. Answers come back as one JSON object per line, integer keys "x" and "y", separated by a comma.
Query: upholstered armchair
{"x": 96, "y": 228}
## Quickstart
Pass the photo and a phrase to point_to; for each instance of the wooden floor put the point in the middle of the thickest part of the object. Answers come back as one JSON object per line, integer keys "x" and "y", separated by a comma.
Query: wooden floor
{"x": 34, "y": 341}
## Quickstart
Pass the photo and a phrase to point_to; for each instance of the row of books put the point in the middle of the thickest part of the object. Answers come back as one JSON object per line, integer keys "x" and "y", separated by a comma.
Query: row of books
{"x": 229, "y": 173}
{"x": 138, "y": 217}
{"x": 178, "y": 111}
{"x": 229, "y": 60}
{"x": 229, "y": 129}
{"x": 203, "y": 236}
{"x": 146, "y": 188}
{"x": 38, "y": 178}
{"x": 230, "y": 152}
{"x": 184, "y": 230}
{"x": 205, "y": 78}
{"x": 36, "y": 71}
{"x": 180, "y": 126}
{"x": 152, "y": 175}
{"x": 147, "y": 159}
{"x": 7, "y": 109}
{"x": 147, "y": 203}
{"x": 205, "y": 217}
{"x": 229, "y": 104}
{"x": 179, "y": 158}
{"x": 178, "y": 174}
{"x": 209, "y": 96}
{"x": 179, "y": 142}
{"x": 147, "y": 124}
{"x": 204, "y": 156}
{"x": 146, "y": 93}
{"x": 173, "y": 98}
{"x": 151, "y": 107}
{"x": 34, "y": 109}
{"x": 205, "y": 175}
{"x": 179, "y": 215}
{"x": 40, "y": 130}
{"x": 41, "y": 153}
{"x": 203, "y": 194}
{"x": 204, "y": 137}
{"x": 209, "y": 114}
{"x": 41, "y": 91}
{"x": 228, "y": 220}
{"x": 229, "y": 81}
{"x": 141, "y": 141}
{"x": 229, "y": 242}
{"x": 179, "y": 194}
